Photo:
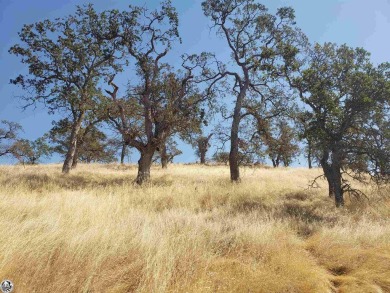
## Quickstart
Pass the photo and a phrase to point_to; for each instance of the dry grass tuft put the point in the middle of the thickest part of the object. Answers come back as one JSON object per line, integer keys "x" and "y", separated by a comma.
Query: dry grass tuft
{"x": 189, "y": 230}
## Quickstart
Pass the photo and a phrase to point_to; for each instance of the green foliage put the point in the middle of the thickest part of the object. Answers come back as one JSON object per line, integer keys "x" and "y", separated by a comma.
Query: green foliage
{"x": 67, "y": 57}
{"x": 167, "y": 152}
{"x": 244, "y": 158}
{"x": 9, "y": 132}
{"x": 161, "y": 101}
{"x": 281, "y": 143}
{"x": 221, "y": 157}
{"x": 93, "y": 144}
{"x": 263, "y": 47}
{"x": 342, "y": 91}
{"x": 30, "y": 152}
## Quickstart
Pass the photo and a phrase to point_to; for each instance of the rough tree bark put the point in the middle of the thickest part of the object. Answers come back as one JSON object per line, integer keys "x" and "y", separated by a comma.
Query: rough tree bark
{"x": 144, "y": 164}
{"x": 336, "y": 179}
{"x": 233, "y": 155}
{"x": 164, "y": 156}
{"x": 72, "y": 144}
{"x": 234, "y": 151}
{"x": 75, "y": 158}
{"x": 123, "y": 153}
{"x": 332, "y": 172}
{"x": 203, "y": 158}
{"x": 331, "y": 189}
{"x": 309, "y": 159}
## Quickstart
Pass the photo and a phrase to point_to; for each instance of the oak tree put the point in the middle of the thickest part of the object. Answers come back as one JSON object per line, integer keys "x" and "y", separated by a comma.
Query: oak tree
{"x": 260, "y": 44}
{"x": 30, "y": 152}
{"x": 67, "y": 58}
{"x": 9, "y": 132}
{"x": 341, "y": 90}
{"x": 160, "y": 101}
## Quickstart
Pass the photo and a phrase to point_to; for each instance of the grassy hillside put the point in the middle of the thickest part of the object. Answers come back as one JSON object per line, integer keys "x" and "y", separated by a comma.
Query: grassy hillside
{"x": 190, "y": 230}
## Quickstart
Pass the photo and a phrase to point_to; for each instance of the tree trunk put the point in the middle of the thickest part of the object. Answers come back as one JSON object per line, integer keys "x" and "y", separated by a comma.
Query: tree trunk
{"x": 72, "y": 144}
{"x": 336, "y": 184}
{"x": 332, "y": 173}
{"x": 233, "y": 155}
{"x": 123, "y": 153}
{"x": 327, "y": 172}
{"x": 75, "y": 158}
{"x": 164, "y": 163}
{"x": 144, "y": 164}
{"x": 309, "y": 154}
{"x": 234, "y": 151}
{"x": 331, "y": 189}
{"x": 203, "y": 158}
{"x": 164, "y": 156}
{"x": 333, "y": 176}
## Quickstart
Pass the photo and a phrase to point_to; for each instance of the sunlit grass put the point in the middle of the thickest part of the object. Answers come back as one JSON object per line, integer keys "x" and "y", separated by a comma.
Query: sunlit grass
{"x": 190, "y": 230}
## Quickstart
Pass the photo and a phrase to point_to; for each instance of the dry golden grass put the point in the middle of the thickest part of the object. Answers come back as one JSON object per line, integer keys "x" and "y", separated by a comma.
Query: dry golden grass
{"x": 190, "y": 230}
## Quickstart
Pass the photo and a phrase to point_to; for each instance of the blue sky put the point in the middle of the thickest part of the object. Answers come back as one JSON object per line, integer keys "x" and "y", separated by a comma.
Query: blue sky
{"x": 359, "y": 23}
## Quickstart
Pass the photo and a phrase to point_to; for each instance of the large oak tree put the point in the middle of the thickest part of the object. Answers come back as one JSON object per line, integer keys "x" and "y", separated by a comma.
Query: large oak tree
{"x": 341, "y": 90}
{"x": 160, "y": 101}
{"x": 67, "y": 58}
{"x": 260, "y": 44}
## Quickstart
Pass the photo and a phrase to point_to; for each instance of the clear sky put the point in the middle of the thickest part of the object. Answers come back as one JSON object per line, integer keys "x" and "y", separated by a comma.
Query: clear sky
{"x": 359, "y": 23}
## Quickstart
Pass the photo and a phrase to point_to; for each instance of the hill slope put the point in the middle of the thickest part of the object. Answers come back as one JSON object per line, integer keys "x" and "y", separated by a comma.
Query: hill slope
{"x": 190, "y": 230}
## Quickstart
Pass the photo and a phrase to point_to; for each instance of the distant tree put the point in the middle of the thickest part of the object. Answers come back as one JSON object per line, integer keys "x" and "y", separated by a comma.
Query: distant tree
{"x": 30, "y": 152}
{"x": 221, "y": 157}
{"x": 93, "y": 146}
{"x": 272, "y": 133}
{"x": 124, "y": 152}
{"x": 244, "y": 158}
{"x": 260, "y": 44}
{"x": 302, "y": 121}
{"x": 250, "y": 145}
{"x": 121, "y": 146}
{"x": 167, "y": 152}
{"x": 379, "y": 142}
{"x": 370, "y": 147}
{"x": 9, "y": 132}
{"x": 202, "y": 144}
{"x": 341, "y": 90}
{"x": 67, "y": 57}
{"x": 281, "y": 143}
{"x": 97, "y": 148}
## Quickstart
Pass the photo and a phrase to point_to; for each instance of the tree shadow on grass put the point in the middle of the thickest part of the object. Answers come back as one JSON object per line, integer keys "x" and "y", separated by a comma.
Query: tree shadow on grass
{"x": 41, "y": 182}
{"x": 45, "y": 182}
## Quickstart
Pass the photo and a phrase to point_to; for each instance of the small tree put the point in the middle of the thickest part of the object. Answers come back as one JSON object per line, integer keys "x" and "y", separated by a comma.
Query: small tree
{"x": 96, "y": 148}
{"x": 167, "y": 152}
{"x": 302, "y": 121}
{"x": 30, "y": 152}
{"x": 8, "y": 136}
{"x": 281, "y": 142}
{"x": 120, "y": 145}
{"x": 202, "y": 144}
{"x": 245, "y": 158}
{"x": 221, "y": 157}
{"x": 93, "y": 146}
